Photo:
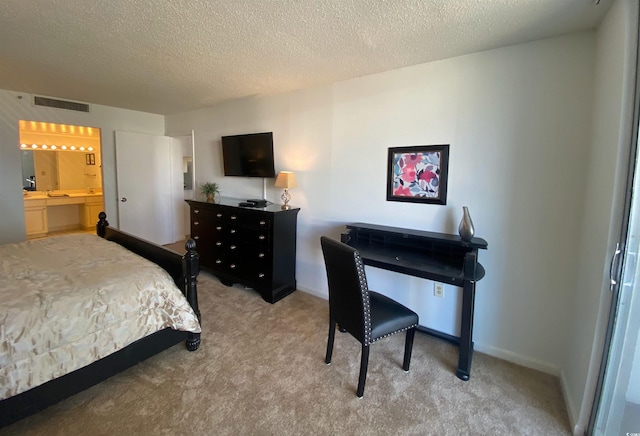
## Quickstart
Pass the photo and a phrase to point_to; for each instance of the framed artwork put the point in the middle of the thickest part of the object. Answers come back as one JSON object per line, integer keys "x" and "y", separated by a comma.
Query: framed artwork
{"x": 91, "y": 158}
{"x": 418, "y": 174}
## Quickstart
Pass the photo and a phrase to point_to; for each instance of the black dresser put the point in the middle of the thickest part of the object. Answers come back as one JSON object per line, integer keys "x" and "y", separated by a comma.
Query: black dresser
{"x": 255, "y": 247}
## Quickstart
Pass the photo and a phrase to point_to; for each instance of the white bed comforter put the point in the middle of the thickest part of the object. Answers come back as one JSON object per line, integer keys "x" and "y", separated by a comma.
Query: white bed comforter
{"x": 68, "y": 301}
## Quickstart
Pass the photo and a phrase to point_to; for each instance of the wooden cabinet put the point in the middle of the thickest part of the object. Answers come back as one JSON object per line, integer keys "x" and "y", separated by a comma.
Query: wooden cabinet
{"x": 252, "y": 246}
{"x": 35, "y": 217}
{"x": 89, "y": 212}
{"x": 44, "y": 214}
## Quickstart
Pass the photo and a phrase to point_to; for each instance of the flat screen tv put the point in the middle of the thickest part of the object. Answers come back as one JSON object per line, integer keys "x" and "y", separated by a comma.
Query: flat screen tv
{"x": 249, "y": 155}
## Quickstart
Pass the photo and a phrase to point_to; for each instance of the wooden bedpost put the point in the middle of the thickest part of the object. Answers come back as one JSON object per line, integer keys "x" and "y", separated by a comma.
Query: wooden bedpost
{"x": 102, "y": 224}
{"x": 183, "y": 269}
{"x": 191, "y": 268}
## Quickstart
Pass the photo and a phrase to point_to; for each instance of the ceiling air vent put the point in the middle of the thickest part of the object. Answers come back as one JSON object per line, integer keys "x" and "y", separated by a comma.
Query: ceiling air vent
{"x": 61, "y": 104}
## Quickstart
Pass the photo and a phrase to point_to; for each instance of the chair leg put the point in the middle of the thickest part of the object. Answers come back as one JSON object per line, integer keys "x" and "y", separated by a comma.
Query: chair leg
{"x": 332, "y": 335}
{"x": 364, "y": 363}
{"x": 408, "y": 346}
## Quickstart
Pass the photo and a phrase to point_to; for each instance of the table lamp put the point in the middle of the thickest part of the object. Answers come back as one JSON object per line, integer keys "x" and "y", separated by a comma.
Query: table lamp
{"x": 286, "y": 180}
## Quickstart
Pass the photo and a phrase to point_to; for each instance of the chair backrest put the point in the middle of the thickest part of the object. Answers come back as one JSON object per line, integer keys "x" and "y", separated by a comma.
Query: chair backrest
{"x": 348, "y": 290}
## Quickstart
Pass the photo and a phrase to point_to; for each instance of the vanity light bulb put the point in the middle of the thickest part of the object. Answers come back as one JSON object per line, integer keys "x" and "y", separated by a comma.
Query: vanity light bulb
{"x": 73, "y": 147}
{"x": 81, "y": 148}
{"x": 90, "y": 148}
{"x": 53, "y": 147}
{"x": 23, "y": 145}
{"x": 34, "y": 146}
{"x": 64, "y": 147}
{"x": 44, "y": 146}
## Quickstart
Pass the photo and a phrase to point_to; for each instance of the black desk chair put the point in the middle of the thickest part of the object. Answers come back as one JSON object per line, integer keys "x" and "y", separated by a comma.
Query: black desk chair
{"x": 366, "y": 315}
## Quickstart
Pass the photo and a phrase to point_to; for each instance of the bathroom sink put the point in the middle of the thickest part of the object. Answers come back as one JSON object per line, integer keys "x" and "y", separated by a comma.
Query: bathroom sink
{"x": 53, "y": 194}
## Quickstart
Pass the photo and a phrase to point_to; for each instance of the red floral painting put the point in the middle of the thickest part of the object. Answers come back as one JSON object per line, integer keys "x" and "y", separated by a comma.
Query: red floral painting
{"x": 418, "y": 174}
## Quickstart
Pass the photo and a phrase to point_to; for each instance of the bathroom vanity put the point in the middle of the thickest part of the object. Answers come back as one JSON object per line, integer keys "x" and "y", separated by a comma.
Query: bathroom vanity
{"x": 60, "y": 210}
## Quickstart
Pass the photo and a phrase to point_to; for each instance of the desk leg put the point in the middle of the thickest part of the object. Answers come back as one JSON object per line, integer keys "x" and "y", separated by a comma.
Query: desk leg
{"x": 465, "y": 353}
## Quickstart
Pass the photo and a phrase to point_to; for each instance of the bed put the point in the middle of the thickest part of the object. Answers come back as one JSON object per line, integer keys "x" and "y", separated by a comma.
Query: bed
{"x": 125, "y": 309}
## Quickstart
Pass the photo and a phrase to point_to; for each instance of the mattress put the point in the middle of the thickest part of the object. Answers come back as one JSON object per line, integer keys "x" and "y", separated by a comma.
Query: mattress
{"x": 68, "y": 301}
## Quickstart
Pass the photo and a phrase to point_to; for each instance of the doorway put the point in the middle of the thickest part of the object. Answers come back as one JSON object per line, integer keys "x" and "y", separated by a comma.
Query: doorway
{"x": 61, "y": 177}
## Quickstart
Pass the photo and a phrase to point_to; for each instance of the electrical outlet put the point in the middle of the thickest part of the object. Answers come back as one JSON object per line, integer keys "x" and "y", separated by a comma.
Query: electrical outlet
{"x": 438, "y": 290}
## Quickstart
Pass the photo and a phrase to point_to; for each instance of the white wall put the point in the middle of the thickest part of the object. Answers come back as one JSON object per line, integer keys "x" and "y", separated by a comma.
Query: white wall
{"x": 605, "y": 183}
{"x": 518, "y": 122}
{"x": 15, "y": 106}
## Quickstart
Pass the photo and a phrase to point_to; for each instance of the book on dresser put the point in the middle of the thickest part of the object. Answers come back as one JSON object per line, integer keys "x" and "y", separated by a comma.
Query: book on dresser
{"x": 255, "y": 247}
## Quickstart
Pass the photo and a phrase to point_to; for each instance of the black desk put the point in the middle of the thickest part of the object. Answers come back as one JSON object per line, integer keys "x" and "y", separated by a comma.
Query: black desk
{"x": 435, "y": 256}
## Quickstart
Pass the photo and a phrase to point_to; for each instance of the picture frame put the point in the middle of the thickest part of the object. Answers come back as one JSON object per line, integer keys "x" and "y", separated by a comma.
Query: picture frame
{"x": 418, "y": 174}
{"x": 90, "y": 158}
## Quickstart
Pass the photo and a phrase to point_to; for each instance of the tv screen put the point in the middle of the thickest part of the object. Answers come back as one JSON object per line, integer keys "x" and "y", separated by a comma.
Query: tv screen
{"x": 249, "y": 155}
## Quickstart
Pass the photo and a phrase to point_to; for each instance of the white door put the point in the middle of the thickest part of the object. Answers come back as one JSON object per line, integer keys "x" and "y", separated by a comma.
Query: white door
{"x": 145, "y": 186}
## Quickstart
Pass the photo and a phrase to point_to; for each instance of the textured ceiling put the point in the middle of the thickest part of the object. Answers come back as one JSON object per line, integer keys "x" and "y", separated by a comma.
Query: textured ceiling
{"x": 169, "y": 56}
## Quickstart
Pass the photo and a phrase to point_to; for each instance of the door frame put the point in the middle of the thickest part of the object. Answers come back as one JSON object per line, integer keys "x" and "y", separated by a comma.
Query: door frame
{"x": 619, "y": 263}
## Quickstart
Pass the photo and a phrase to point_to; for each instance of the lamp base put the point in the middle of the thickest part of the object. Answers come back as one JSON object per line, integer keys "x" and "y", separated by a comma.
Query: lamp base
{"x": 285, "y": 199}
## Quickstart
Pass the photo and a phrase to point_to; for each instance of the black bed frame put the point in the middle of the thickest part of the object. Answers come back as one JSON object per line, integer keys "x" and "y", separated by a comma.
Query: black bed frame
{"x": 183, "y": 268}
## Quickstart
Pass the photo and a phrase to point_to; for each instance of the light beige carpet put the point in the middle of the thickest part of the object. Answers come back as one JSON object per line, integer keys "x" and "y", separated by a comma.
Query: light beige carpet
{"x": 260, "y": 371}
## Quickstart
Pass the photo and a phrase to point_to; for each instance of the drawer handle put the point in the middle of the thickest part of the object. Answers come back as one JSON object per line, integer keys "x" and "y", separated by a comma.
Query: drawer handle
{"x": 261, "y": 237}
{"x": 196, "y": 237}
{"x": 261, "y": 255}
{"x": 218, "y": 261}
{"x": 218, "y": 215}
{"x": 195, "y": 223}
{"x": 219, "y": 228}
{"x": 232, "y": 266}
{"x": 196, "y": 211}
{"x": 233, "y": 247}
{"x": 261, "y": 275}
{"x": 233, "y": 231}
{"x": 218, "y": 243}
{"x": 262, "y": 222}
{"x": 233, "y": 217}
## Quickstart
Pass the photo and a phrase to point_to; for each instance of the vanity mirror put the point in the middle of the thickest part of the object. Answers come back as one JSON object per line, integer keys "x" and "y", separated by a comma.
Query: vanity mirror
{"x": 59, "y": 156}
{"x": 44, "y": 170}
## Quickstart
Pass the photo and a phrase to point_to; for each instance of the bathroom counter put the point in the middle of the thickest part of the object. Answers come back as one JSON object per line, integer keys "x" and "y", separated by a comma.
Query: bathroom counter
{"x": 38, "y": 195}
{"x": 44, "y": 213}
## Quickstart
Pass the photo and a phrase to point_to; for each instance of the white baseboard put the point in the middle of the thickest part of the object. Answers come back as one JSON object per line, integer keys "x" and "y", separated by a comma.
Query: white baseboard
{"x": 518, "y": 359}
{"x": 571, "y": 406}
{"x": 314, "y": 292}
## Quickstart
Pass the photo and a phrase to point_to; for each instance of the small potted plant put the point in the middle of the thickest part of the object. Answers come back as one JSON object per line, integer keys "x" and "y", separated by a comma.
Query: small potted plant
{"x": 210, "y": 190}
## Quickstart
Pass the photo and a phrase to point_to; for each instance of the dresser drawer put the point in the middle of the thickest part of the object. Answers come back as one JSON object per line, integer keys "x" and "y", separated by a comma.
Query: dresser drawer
{"x": 248, "y": 218}
{"x": 253, "y": 274}
{"x": 249, "y": 252}
{"x": 202, "y": 215}
{"x": 201, "y": 233}
{"x": 248, "y": 234}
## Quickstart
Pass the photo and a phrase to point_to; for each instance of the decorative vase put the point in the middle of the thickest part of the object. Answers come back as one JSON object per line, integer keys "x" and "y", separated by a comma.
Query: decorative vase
{"x": 210, "y": 198}
{"x": 465, "y": 229}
